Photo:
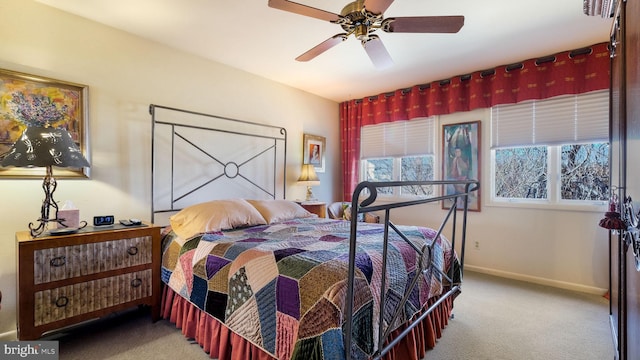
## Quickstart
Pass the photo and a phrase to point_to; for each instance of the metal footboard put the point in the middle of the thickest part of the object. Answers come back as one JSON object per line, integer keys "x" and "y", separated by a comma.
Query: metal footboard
{"x": 364, "y": 198}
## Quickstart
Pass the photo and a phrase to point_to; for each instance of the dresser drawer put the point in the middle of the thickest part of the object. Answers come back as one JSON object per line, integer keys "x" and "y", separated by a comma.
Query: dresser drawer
{"x": 68, "y": 279}
{"x": 67, "y": 262}
{"x": 73, "y": 300}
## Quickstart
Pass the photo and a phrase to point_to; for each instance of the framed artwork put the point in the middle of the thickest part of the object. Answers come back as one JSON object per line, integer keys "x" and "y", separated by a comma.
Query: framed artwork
{"x": 29, "y": 100}
{"x": 461, "y": 160}
{"x": 313, "y": 151}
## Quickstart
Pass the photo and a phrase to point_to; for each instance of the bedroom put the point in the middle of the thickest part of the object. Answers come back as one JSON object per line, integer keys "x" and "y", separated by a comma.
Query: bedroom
{"x": 126, "y": 74}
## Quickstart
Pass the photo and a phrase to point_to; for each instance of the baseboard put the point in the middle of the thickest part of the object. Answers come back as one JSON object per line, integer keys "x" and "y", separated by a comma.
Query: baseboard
{"x": 538, "y": 280}
{"x": 9, "y": 336}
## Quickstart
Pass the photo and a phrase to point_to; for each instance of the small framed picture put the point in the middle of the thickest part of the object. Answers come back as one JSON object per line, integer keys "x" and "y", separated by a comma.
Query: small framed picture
{"x": 461, "y": 160}
{"x": 313, "y": 151}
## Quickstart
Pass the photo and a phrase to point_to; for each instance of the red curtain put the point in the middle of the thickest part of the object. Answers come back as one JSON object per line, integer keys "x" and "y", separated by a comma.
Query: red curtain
{"x": 350, "y": 123}
{"x": 570, "y": 72}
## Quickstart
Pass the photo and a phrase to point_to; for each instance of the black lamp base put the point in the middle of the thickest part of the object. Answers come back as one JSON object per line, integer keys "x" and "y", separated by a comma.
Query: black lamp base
{"x": 49, "y": 186}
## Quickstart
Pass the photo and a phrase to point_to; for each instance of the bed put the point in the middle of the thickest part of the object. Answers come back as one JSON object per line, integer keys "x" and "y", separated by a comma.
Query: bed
{"x": 250, "y": 275}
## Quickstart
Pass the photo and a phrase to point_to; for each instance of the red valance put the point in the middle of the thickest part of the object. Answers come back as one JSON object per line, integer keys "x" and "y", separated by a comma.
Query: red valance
{"x": 569, "y": 72}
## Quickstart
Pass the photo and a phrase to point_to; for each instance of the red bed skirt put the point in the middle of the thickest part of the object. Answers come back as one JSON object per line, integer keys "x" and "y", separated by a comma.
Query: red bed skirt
{"x": 221, "y": 343}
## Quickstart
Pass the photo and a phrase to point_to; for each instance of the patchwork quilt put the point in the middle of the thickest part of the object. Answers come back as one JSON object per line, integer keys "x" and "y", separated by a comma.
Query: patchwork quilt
{"x": 282, "y": 286}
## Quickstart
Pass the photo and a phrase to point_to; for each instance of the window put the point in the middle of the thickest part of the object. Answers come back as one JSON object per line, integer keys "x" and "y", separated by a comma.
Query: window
{"x": 521, "y": 173}
{"x": 399, "y": 151}
{"x": 379, "y": 170}
{"x": 553, "y": 150}
{"x": 584, "y": 172}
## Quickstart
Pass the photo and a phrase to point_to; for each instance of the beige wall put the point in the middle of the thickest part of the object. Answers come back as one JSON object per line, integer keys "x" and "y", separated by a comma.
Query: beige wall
{"x": 125, "y": 74}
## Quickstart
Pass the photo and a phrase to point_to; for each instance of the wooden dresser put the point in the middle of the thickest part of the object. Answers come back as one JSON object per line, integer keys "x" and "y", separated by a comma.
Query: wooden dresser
{"x": 65, "y": 280}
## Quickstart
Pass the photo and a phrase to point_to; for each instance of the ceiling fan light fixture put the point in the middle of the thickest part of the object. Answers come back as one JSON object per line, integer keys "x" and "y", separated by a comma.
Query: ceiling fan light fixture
{"x": 363, "y": 18}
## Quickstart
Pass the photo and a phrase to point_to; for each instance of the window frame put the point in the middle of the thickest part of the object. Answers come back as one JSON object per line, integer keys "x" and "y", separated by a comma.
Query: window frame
{"x": 431, "y": 129}
{"x": 396, "y": 176}
{"x": 511, "y": 125}
{"x": 554, "y": 197}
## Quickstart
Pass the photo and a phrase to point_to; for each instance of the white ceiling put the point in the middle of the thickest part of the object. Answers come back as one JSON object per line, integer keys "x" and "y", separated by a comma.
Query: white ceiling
{"x": 249, "y": 35}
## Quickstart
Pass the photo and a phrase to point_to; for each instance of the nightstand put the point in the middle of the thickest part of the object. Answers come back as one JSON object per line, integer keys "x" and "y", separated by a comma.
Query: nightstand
{"x": 315, "y": 207}
{"x": 64, "y": 280}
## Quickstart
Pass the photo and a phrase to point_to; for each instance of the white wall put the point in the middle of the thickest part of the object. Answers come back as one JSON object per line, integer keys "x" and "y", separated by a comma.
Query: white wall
{"x": 125, "y": 74}
{"x": 553, "y": 247}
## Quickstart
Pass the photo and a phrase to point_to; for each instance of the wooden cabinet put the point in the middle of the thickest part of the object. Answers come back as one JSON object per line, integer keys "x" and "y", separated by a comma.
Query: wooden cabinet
{"x": 64, "y": 280}
{"x": 625, "y": 175}
{"x": 315, "y": 207}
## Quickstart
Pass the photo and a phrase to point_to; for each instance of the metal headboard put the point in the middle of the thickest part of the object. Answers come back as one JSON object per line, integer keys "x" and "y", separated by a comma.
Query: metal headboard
{"x": 199, "y": 157}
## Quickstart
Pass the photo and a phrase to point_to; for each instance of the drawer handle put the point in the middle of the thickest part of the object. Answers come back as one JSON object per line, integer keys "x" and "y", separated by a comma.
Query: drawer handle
{"x": 136, "y": 282}
{"x": 132, "y": 250}
{"x": 58, "y": 261}
{"x": 62, "y": 301}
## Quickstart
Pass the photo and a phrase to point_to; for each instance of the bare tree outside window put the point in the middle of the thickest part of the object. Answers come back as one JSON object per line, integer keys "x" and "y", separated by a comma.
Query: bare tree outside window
{"x": 521, "y": 172}
{"x": 417, "y": 168}
{"x": 585, "y": 172}
{"x": 380, "y": 170}
{"x": 406, "y": 168}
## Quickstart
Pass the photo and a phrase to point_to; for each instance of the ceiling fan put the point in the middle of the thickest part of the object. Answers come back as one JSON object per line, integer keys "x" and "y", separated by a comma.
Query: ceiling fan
{"x": 362, "y": 18}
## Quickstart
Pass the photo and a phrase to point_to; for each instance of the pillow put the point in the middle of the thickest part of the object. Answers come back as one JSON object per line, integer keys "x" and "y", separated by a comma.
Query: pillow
{"x": 215, "y": 215}
{"x": 279, "y": 210}
{"x": 346, "y": 213}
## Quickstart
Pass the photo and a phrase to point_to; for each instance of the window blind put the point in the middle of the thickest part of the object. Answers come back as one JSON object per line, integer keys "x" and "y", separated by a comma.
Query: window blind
{"x": 398, "y": 138}
{"x": 566, "y": 119}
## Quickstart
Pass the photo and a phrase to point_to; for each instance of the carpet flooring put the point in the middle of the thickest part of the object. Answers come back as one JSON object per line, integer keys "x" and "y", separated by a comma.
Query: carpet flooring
{"x": 494, "y": 318}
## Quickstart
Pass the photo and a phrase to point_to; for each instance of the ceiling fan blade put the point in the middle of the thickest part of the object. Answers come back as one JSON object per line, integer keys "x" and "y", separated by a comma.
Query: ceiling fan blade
{"x": 322, "y": 47}
{"x": 377, "y": 52}
{"x": 424, "y": 24}
{"x": 305, "y": 10}
{"x": 377, "y": 6}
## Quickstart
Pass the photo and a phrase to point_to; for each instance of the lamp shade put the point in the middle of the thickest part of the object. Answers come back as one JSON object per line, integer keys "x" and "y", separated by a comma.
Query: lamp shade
{"x": 309, "y": 178}
{"x": 308, "y": 174}
{"x": 45, "y": 146}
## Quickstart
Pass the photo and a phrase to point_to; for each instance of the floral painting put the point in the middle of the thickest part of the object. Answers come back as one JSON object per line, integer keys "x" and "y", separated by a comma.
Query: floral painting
{"x": 27, "y": 100}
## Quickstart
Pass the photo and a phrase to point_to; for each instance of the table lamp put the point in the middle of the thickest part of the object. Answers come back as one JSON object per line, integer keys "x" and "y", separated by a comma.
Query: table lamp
{"x": 42, "y": 146}
{"x": 309, "y": 178}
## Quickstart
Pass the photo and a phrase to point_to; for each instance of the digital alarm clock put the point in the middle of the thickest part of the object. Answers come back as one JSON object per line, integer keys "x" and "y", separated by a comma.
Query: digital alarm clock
{"x": 103, "y": 220}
